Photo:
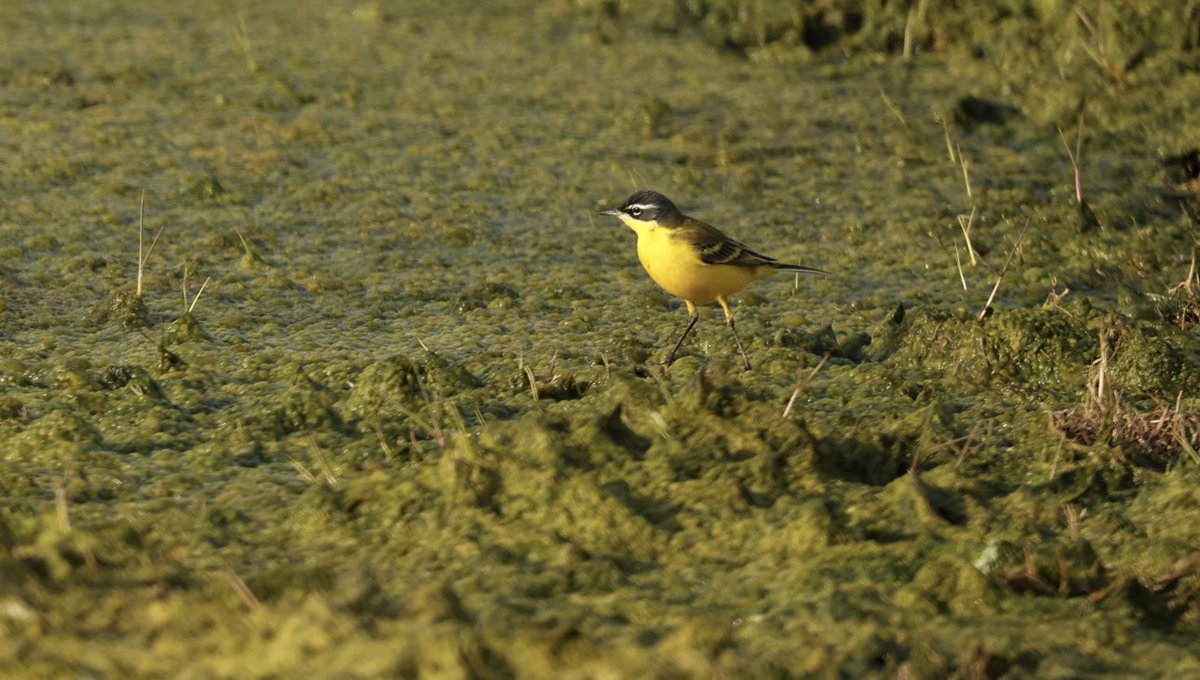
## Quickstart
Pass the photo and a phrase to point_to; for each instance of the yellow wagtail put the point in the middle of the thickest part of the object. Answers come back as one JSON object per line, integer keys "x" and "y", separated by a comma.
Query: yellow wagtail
{"x": 693, "y": 260}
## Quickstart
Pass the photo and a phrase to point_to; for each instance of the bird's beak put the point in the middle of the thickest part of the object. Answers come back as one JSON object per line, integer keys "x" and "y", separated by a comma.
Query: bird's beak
{"x": 613, "y": 213}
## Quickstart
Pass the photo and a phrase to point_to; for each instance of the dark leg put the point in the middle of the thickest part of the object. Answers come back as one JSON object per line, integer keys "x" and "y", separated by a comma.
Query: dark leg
{"x": 736, "y": 339}
{"x": 693, "y": 317}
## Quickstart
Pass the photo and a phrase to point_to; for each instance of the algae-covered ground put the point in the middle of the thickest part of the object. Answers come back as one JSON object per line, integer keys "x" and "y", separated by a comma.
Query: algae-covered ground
{"x": 389, "y": 401}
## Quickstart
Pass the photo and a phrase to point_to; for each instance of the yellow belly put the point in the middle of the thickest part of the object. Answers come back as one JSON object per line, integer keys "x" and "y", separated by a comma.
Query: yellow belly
{"x": 675, "y": 266}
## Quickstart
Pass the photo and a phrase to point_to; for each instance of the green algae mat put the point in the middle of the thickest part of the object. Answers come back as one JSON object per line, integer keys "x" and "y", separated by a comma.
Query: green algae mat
{"x": 383, "y": 397}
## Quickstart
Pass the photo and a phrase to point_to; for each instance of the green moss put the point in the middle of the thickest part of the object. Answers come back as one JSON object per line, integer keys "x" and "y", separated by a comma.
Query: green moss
{"x": 290, "y": 482}
{"x": 1038, "y": 348}
{"x": 948, "y": 585}
{"x": 304, "y": 406}
{"x": 1155, "y": 359}
{"x": 1123, "y": 30}
{"x": 125, "y": 308}
{"x": 486, "y": 295}
{"x": 186, "y": 328}
{"x": 399, "y": 384}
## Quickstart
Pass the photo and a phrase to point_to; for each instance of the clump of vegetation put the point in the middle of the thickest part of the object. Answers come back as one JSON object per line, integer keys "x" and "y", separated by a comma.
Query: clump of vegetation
{"x": 1183, "y": 171}
{"x": 413, "y": 402}
{"x": 1018, "y": 348}
{"x": 556, "y": 384}
{"x": 1117, "y": 38}
{"x": 400, "y": 382}
{"x": 486, "y": 296}
{"x": 1161, "y": 433}
{"x": 1181, "y": 303}
{"x": 126, "y": 306}
{"x": 1064, "y": 568}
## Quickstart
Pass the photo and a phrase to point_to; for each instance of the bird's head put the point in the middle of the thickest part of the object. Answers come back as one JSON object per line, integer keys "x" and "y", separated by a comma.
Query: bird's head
{"x": 646, "y": 208}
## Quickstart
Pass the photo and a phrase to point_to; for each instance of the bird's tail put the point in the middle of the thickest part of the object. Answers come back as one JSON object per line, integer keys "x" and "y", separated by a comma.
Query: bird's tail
{"x": 798, "y": 269}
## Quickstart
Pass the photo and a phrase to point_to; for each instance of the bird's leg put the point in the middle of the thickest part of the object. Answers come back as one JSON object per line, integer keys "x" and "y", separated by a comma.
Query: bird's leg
{"x": 736, "y": 340}
{"x": 693, "y": 317}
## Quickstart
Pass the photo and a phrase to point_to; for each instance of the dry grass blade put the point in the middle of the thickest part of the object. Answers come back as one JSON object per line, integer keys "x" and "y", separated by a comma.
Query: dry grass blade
{"x": 1054, "y": 297}
{"x": 533, "y": 382}
{"x": 415, "y": 443}
{"x": 327, "y": 473}
{"x": 62, "y": 513}
{"x": 887, "y": 101}
{"x": 801, "y": 384}
{"x": 141, "y": 231}
{"x": 950, "y": 148}
{"x": 243, "y": 38}
{"x": 243, "y": 591}
{"x": 966, "y": 173}
{"x": 983, "y": 313}
{"x": 1097, "y": 396}
{"x": 958, "y": 261}
{"x": 965, "y": 225}
{"x": 908, "y": 32}
{"x": 1075, "y": 156}
{"x": 1096, "y": 53}
{"x": 1189, "y": 282}
{"x": 430, "y": 427}
{"x": 1062, "y": 440}
{"x": 302, "y": 470}
{"x": 1186, "y": 447}
{"x": 197, "y": 298}
{"x": 966, "y": 447}
{"x": 142, "y": 259}
{"x": 1072, "y": 515}
{"x": 388, "y": 452}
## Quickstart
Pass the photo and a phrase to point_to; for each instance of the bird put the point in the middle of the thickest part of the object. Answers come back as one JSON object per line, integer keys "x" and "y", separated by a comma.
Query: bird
{"x": 692, "y": 260}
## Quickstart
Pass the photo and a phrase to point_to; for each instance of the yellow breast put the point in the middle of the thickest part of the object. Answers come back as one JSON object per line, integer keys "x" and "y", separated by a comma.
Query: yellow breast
{"x": 675, "y": 265}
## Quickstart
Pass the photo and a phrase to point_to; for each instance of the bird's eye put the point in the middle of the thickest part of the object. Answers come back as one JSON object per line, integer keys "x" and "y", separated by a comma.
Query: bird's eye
{"x": 635, "y": 210}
